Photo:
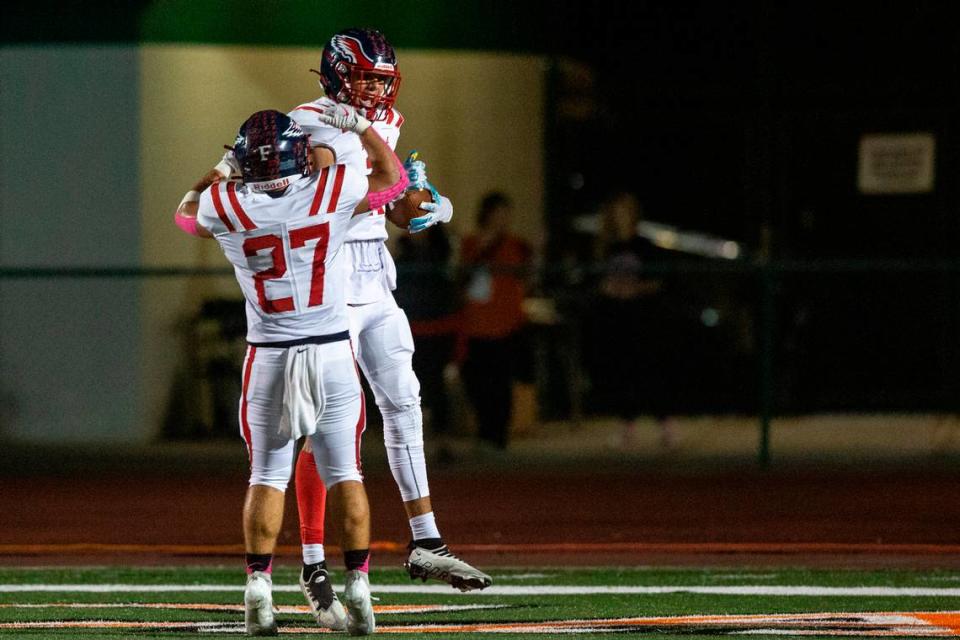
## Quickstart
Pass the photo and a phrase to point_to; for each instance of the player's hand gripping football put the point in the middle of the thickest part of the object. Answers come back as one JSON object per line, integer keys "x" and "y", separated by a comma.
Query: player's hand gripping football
{"x": 440, "y": 210}
{"x": 344, "y": 116}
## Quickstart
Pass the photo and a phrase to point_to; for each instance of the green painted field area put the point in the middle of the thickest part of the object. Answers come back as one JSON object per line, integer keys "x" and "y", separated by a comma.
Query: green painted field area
{"x": 195, "y": 602}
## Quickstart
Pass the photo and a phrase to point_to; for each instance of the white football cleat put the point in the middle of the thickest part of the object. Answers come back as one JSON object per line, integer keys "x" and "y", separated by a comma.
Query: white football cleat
{"x": 440, "y": 564}
{"x": 258, "y": 605}
{"x": 356, "y": 596}
{"x": 327, "y": 610}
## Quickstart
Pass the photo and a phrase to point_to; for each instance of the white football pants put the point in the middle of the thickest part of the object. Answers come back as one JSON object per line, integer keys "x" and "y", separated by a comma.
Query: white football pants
{"x": 336, "y": 442}
{"x": 381, "y": 336}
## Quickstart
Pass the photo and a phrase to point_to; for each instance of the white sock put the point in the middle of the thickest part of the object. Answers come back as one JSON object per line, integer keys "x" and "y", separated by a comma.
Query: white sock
{"x": 424, "y": 527}
{"x": 313, "y": 553}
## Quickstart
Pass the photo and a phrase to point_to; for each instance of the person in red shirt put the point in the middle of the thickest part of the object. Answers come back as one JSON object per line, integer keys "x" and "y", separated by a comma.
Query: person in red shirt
{"x": 495, "y": 265}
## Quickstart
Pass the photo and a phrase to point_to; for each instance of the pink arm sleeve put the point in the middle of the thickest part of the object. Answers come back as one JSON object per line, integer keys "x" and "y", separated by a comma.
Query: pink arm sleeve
{"x": 378, "y": 199}
{"x": 186, "y": 223}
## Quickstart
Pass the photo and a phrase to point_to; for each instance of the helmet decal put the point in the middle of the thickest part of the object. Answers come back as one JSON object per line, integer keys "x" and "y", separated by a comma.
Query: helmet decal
{"x": 293, "y": 130}
{"x": 343, "y": 45}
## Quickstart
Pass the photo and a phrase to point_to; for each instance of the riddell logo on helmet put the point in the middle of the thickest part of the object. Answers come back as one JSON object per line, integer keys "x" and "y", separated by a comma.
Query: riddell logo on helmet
{"x": 269, "y": 185}
{"x": 386, "y": 66}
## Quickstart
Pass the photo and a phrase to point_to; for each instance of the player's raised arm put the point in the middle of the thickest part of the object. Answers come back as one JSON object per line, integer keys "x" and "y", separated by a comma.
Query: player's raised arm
{"x": 226, "y": 169}
{"x": 186, "y": 215}
{"x": 388, "y": 179}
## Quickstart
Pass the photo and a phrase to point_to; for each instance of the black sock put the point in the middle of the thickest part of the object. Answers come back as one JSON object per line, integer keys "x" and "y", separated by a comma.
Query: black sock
{"x": 356, "y": 558}
{"x": 259, "y": 562}
{"x": 308, "y": 569}
{"x": 429, "y": 543}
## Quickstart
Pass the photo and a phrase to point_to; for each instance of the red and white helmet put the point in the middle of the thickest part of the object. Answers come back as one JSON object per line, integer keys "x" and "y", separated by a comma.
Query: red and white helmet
{"x": 359, "y": 67}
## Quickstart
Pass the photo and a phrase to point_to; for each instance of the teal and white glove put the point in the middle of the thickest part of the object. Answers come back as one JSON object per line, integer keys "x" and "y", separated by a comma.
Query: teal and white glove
{"x": 440, "y": 210}
{"x": 417, "y": 174}
{"x": 344, "y": 116}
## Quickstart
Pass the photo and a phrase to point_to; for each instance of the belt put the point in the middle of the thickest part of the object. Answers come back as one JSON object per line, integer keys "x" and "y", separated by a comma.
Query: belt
{"x": 330, "y": 337}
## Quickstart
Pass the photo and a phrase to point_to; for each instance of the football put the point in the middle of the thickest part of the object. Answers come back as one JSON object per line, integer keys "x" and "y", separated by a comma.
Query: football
{"x": 402, "y": 211}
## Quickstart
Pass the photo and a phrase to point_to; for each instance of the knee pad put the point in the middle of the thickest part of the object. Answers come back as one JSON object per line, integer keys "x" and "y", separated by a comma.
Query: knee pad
{"x": 332, "y": 477}
{"x": 395, "y": 388}
{"x": 337, "y": 453}
{"x": 403, "y": 437}
{"x": 273, "y": 478}
{"x": 271, "y": 467}
{"x": 403, "y": 427}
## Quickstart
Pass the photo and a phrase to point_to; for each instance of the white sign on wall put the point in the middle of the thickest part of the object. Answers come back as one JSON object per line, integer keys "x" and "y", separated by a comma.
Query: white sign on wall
{"x": 895, "y": 163}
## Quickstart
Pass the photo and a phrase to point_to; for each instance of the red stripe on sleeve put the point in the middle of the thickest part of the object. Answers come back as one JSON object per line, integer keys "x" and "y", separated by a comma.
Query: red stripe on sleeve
{"x": 244, "y": 424}
{"x": 218, "y": 205}
{"x": 237, "y": 209}
{"x": 321, "y": 187}
{"x": 337, "y": 185}
{"x": 308, "y": 107}
{"x": 390, "y": 116}
{"x": 399, "y": 120}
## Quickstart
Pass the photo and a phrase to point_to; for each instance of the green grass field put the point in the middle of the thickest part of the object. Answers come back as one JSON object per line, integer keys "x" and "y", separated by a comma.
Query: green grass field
{"x": 54, "y": 602}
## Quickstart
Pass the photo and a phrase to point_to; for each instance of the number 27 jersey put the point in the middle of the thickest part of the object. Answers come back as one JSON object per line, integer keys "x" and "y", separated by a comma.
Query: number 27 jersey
{"x": 285, "y": 251}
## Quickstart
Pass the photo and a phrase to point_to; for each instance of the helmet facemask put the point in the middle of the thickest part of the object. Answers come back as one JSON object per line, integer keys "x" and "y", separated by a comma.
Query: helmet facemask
{"x": 373, "y": 91}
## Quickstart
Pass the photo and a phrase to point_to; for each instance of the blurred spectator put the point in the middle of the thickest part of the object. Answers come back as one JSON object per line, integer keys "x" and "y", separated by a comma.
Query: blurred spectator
{"x": 495, "y": 265}
{"x": 627, "y": 324}
{"x": 428, "y": 294}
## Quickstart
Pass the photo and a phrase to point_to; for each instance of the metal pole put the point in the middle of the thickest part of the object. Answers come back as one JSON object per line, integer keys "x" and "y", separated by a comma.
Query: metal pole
{"x": 767, "y": 320}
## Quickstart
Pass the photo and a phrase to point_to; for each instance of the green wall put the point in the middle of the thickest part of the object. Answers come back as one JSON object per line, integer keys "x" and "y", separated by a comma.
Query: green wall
{"x": 69, "y": 197}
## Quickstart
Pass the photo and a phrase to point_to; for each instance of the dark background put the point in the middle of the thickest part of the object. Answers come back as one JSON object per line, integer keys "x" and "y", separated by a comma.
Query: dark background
{"x": 740, "y": 119}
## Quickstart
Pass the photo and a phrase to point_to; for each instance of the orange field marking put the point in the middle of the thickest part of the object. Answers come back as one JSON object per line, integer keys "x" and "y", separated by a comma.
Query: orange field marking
{"x": 947, "y": 620}
{"x": 761, "y": 548}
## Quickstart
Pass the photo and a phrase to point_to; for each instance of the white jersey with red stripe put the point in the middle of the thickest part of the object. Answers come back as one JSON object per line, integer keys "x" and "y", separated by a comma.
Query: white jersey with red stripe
{"x": 286, "y": 251}
{"x": 349, "y": 151}
{"x": 372, "y": 272}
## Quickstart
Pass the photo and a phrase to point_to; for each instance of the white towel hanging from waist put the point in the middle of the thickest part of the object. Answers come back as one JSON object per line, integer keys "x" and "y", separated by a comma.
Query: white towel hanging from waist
{"x": 302, "y": 391}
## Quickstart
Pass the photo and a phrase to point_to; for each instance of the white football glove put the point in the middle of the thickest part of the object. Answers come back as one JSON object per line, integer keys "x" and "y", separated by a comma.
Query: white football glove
{"x": 228, "y": 167}
{"x": 440, "y": 211}
{"x": 344, "y": 116}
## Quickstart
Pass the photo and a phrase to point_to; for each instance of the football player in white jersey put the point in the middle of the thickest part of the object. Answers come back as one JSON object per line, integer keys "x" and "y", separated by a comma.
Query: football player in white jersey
{"x": 283, "y": 231}
{"x": 359, "y": 67}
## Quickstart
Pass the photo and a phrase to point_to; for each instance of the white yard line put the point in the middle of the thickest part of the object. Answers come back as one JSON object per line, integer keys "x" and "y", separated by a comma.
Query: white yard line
{"x": 513, "y": 590}
{"x": 181, "y": 606}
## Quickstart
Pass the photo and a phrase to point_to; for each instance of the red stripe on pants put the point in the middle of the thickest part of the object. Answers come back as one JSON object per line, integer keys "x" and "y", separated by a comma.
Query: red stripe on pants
{"x": 361, "y": 427}
{"x": 244, "y": 425}
{"x": 362, "y": 420}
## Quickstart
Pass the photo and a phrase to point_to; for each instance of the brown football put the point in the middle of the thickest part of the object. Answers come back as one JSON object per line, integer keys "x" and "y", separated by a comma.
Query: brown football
{"x": 407, "y": 208}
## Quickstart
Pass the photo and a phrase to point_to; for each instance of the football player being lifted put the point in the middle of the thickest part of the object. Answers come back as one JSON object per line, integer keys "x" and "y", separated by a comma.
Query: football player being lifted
{"x": 358, "y": 67}
{"x": 283, "y": 230}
